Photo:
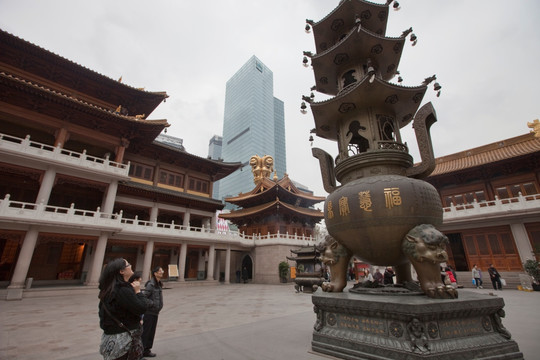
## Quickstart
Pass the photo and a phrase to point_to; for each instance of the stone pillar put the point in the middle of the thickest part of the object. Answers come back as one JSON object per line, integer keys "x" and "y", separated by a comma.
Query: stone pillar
{"x": 182, "y": 263}
{"x": 213, "y": 222}
{"x": 523, "y": 244}
{"x": 211, "y": 262}
{"x": 147, "y": 264}
{"x": 217, "y": 270}
{"x": 46, "y": 186}
{"x": 97, "y": 262}
{"x": 228, "y": 266}
{"x": 187, "y": 216}
{"x": 15, "y": 288}
{"x": 154, "y": 213}
{"x": 110, "y": 195}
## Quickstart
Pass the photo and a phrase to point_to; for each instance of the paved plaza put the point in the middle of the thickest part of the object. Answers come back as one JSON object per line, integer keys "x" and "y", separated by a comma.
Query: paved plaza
{"x": 220, "y": 322}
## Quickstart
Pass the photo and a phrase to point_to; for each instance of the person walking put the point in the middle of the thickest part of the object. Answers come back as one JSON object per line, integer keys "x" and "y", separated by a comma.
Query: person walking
{"x": 121, "y": 305}
{"x": 477, "y": 277}
{"x": 153, "y": 290}
{"x": 495, "y": 277}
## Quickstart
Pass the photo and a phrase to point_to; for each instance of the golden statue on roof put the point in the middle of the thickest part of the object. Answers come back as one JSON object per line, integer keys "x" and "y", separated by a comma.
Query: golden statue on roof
{"x": 535, "y": 126}
{"x": 261, "y": 167}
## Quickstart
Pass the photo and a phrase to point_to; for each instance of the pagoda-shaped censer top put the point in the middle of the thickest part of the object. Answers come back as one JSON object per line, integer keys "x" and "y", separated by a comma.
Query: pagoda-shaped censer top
{"x": 382, "y": 213}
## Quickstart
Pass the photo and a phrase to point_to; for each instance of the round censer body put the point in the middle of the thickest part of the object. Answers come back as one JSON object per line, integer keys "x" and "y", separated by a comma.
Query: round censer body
{"x": 370, "y": 216}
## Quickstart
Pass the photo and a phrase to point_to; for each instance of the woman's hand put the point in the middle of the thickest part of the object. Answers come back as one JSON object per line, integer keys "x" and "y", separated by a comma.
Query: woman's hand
{"x": 136, "y": 286}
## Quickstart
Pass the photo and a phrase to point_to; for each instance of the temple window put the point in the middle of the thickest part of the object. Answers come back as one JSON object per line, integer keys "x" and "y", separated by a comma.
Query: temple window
{"x": 141, "y": 171}
{"x": 171, "y": 178}
{"x": 198, "y": 185}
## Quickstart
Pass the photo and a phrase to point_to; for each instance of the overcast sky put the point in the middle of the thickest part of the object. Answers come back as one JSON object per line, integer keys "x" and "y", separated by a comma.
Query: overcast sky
{"x": 485, "y": 55}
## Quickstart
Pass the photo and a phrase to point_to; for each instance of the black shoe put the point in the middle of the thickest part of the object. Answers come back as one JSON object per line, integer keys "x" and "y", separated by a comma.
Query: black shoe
{"x": 149, "y": 354}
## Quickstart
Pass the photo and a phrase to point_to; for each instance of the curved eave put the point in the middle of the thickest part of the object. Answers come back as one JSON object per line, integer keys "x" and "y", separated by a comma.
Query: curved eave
{"x": 359, "y": 45}
{"x": 273, "y": 190}
{"x": 87, "y": 114}
{"x": 216, "y": 169}
{"x": 176, "y": 197}
{"x": 401, "y": 101}
{"x": 328, "y": 30}
{"x": 273, "y": 207}
{"x": 53, "y": 67}
{"x": 487, "y": 155}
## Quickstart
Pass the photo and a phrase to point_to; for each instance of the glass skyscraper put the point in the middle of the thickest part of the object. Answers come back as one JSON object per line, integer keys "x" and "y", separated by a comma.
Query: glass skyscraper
{"x": 253, "y": 124}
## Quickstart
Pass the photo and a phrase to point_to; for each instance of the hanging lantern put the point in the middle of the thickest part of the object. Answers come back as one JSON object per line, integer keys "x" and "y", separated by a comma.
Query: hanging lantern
{"x": 305, "y": 62}
{"x": 303, "y": 108}
{"x": 308, "y": 29}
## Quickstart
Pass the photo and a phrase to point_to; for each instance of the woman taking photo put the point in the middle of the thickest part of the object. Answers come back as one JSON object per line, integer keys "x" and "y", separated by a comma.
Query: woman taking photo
{"x": 120, "y": 308}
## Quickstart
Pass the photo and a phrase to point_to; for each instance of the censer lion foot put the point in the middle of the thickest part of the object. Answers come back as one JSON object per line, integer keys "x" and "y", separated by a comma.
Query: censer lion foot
{"x": 336, "y": 257}
{"x": 425, "y": 246}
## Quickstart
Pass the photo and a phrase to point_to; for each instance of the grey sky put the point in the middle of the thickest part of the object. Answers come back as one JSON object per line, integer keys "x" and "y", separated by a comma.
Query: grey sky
{"x": 485, "y": 55}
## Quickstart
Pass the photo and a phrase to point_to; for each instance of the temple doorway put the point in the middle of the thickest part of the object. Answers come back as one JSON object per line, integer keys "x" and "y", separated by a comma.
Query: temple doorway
{"x": 247, "y": 263}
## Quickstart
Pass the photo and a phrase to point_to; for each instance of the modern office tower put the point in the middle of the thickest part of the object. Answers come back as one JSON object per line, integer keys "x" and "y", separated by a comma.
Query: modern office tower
{"x": 214, "y": 147}
{"x": 253, "y": 124}
{"x": 214, "y": 153}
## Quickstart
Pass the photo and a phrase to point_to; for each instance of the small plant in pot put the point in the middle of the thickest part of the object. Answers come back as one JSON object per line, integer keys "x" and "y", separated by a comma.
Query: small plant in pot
{"x": 283, "y": 271}
{"x": 533, "y": 269}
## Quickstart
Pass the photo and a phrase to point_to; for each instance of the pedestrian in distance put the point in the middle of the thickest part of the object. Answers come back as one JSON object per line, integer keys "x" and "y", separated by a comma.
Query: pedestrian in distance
{"x": 477, "y": 277}
{"x": 377, "y": 276}
{"x": 153, "y": 290}
{"x": 389, "y": 276}
{"x": 120, "y": 308}
{"x": 495, "y": 277}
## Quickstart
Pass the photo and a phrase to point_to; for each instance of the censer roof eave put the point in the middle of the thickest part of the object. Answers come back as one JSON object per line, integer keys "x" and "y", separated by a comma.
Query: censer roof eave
{"x": 384, "y": 53}
{"x": 400, "y": 101}
{"x": 325, "y": 29}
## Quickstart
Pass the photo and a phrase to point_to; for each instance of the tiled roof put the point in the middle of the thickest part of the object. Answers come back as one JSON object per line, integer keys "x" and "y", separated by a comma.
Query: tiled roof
{"x": 491, "y": 153}
{"x": 274, "y": 205}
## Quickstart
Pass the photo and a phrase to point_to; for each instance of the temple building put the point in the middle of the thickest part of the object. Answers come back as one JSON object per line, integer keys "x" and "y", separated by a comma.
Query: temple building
{"x": 491, "y": 200}
{"x": 86, "y": 177}
{"x": 273, "y": 207}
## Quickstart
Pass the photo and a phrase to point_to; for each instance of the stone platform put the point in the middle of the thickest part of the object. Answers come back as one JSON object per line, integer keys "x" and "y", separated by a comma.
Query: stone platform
{"x": 361, "y": 326}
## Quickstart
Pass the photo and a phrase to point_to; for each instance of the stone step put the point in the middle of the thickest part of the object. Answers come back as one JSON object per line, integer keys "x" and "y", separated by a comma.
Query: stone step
{"x": 512, "y": 279}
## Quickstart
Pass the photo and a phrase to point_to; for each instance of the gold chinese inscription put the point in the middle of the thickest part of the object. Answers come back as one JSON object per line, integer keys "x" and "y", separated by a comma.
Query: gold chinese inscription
{"x": 369, "y": 325}
{"x": 460, "y": 328}
{"x": 392, "y": 197}
{"x": 344, "y": 206}
{"x": 330, "y": 210}
{"x": 365, "y": 200}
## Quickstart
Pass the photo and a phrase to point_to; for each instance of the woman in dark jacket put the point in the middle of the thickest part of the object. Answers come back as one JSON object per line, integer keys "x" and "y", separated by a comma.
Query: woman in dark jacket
{"x": 120, "y": 308}
{"x": 153, "y": 290}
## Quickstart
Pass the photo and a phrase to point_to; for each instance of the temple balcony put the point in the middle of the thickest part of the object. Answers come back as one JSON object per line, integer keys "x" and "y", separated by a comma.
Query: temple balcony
{"x": 20, "y": 215}
{"x": 520, "y": 206}
{"x": 39, "y": 155}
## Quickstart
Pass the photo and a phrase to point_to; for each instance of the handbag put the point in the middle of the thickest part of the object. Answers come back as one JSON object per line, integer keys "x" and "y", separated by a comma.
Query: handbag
{"x": 136, "y": 349}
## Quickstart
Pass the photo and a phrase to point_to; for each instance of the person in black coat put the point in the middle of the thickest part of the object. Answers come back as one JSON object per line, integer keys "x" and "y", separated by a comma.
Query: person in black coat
{"x": 153, "y": 290}
{"x": 389, "y": 276}
{"x": 495, "y": 277}
{"x": 120, "y": 308}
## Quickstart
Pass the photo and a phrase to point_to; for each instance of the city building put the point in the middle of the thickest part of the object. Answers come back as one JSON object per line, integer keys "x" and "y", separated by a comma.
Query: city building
{"x": 253, "y": 124}
{"x": 214, "y": 152}
{"x": 86, "y": 177}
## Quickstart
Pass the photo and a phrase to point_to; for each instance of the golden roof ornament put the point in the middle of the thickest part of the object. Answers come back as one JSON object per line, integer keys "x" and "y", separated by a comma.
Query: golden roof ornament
{"x": 535, "y": 126}
{"x": 261, "y": 167}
